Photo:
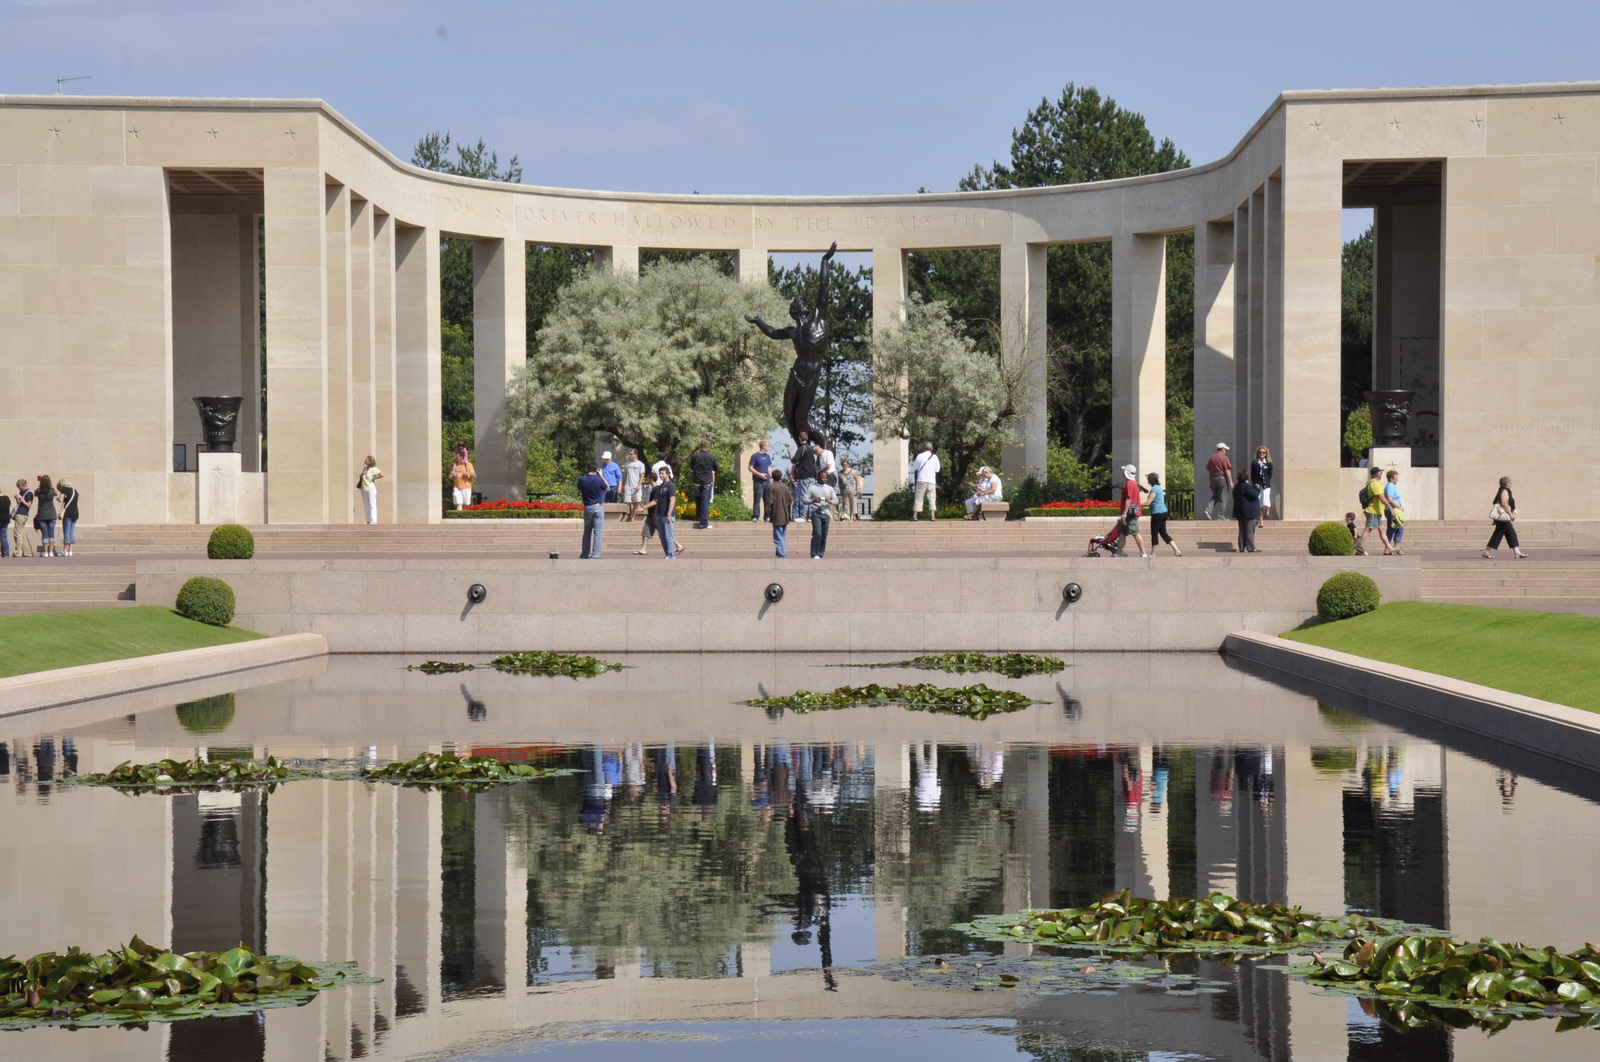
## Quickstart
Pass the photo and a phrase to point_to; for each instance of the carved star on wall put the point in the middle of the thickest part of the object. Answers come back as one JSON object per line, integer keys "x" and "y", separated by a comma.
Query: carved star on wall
{"x": 135, "y": 133}
{"x": 212, "y": 133}
{"x": 1560, "y": 119}
{"x": 1396, "y": 123}
{"x": 1316, "y": 125}
{"x": 54, "y": 131}
{"x": 290, "y": 133}
{"x": 1476, "y": 120}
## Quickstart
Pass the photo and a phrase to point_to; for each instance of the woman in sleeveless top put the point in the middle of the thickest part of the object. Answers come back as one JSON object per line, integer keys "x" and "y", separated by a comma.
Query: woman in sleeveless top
{"x": 1505, "y": 505}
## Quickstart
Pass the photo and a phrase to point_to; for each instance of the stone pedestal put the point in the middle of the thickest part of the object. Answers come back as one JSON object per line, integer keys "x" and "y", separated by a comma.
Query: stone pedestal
{"x": 218, "y": 490}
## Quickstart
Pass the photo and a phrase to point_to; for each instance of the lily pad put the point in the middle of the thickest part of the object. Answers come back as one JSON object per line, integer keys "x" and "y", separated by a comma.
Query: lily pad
{"x": 1011, "y": 665}
{"x": 973, "y": 702}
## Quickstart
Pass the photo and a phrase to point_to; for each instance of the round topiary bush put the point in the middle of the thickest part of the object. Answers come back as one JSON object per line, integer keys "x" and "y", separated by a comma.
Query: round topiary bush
{"x": 231, "y": 542}
{"x": 1346, "y": 594}
{"x": 1331, "y": 539}
{"x": 207, "y": 600}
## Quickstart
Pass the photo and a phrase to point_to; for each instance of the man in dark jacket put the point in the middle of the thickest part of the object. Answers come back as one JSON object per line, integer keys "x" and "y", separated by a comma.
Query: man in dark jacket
{"x": 704, "y": 466}
{"x": 1246, "y": 509}
{"x": 780, "y": 509}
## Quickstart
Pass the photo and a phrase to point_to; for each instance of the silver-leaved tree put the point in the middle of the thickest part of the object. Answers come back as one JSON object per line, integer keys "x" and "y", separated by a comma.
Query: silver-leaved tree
{"x": 660, "y": 361}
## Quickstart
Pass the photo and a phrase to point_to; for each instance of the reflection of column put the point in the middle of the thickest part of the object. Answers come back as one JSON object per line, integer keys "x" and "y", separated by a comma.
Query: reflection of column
{"x": 499, "y": 349}
{"x": 417, "y": 405}
{"x": 491, "y": 913}
{"x": 1139, "y": 352}
{"x": 891, "y": 796}
{"x": 1025, "y": 875}
{"x": 417, "y": 901}
{"x": 1023, "y": 291}
{"x": 1312, "y": 806}
{"x": 890, "y": 460}
{"x": 1153, "y": 838}
{"x": 1213, "y": 350}
{"x": 296, "y": 346}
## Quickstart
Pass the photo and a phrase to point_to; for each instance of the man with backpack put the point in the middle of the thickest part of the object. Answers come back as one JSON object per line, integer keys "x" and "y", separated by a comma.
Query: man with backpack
{"x": 1373, "y": 502}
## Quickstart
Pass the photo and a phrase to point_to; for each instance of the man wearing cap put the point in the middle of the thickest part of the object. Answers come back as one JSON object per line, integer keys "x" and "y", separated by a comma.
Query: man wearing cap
{"x": 1220, "y": 469}
{"x": 612, "y": 473}
{"x": 1130, "y": 506}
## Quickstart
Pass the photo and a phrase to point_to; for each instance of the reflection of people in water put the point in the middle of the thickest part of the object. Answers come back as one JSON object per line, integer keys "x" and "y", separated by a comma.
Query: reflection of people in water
{"x": 1132, "y": 790}
{"x": 1159, "y": 774}
{"x": 664, "y": 765}
{"x": 593, "y": 812}
{"x": 1506, "y": 781}
{"x": 926, "y": 758}
{"x": 705, "y": 779}
{"x": 988, "y": 764}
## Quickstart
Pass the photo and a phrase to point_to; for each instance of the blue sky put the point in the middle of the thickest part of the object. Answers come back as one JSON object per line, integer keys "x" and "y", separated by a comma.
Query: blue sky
{"x": 825, "y": 97}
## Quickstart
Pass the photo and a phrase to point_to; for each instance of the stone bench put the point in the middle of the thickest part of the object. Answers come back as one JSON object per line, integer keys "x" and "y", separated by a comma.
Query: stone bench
{"x": 999, "y": 508}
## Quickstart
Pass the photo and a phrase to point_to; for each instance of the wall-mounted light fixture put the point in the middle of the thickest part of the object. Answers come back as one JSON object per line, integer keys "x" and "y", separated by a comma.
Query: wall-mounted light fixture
{"x": 476, "y": 593}
{"x": 1071, "y": 592}
{"x": 774, "y": 592}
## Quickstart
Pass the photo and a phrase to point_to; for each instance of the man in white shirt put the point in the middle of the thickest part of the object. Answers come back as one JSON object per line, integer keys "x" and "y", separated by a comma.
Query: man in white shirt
{"x": 821, "y": 499}
{"x": 633, "y": 484}
{"x": 825, "y": 462}
{"x": 924, "y": 474}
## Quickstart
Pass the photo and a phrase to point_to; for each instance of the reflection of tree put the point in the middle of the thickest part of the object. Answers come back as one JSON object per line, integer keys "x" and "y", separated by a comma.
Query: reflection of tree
{"x": 677, "y": 888}
{"x": 1083, "y": 828}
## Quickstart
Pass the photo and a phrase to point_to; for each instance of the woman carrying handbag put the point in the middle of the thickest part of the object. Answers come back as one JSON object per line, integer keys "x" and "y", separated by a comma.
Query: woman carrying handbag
{"x": 1504, "y": 515}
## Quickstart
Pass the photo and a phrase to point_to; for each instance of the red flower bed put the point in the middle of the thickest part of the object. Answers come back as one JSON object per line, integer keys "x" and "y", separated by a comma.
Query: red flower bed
{"x": 505, "y": 506}
{"x": 1089, "y": 505}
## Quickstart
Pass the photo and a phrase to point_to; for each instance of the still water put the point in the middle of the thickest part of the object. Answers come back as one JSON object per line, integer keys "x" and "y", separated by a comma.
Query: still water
{"x": 712, "y": 881}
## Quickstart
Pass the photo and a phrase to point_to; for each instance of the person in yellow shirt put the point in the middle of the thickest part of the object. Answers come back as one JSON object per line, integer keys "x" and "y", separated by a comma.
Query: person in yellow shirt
{"x": 1377, "y": 503}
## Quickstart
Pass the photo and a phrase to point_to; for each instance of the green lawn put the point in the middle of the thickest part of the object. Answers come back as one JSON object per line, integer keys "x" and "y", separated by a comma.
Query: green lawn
{"x": 1554, "y": 656}
{"x": 42, "y": 641}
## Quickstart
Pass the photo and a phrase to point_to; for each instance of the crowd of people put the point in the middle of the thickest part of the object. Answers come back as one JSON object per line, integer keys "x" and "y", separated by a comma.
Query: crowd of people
{"x": 45, "y": 507}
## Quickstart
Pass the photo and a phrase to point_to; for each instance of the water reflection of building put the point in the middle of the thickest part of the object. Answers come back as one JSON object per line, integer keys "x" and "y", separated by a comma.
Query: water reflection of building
{"x": 720, "y": 866}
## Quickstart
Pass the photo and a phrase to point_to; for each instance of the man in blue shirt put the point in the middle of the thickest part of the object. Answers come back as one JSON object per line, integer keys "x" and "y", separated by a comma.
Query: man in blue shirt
{"x": 760, "y": 479}
{"x": 592, "y": 489}
{"x": 613, "y": 475}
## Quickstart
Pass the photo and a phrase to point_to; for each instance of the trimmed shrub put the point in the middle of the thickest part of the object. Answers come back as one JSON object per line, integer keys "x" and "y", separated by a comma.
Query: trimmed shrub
{"x": 1346, "y": 594}
{"x": 208, "y": 715}
{"x": 231, "y": 542}
{"x": 897, "y": 506}
{"x": 1331, "y": 539}
{"x": 206, "y": 600}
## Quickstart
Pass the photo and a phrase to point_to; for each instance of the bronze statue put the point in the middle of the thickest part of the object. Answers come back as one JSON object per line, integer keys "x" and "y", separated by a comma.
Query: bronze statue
{"x": 809, "y": 334}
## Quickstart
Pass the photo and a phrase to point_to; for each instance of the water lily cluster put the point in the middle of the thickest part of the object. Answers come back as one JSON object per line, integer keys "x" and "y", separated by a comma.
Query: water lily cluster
{"x": 140, "y": 982}
{"x": 1011, "y": 665}
{"x": 973, "y": 702}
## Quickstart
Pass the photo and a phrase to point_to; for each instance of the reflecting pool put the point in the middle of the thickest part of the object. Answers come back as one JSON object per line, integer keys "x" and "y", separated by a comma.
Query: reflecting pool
{"x": 710, "y": 880}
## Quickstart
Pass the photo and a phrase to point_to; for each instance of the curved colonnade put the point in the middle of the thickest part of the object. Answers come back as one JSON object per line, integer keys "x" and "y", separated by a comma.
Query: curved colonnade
{"x": 132, "y": 234}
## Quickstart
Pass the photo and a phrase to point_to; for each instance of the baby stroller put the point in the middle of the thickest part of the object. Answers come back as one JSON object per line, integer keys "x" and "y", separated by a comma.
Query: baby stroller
{"x": 1111, "y": 542}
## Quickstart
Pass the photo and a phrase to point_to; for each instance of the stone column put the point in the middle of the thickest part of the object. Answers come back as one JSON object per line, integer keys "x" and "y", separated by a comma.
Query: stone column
{"x": 363, "y": 396}
{"x": 1138, "y": 353}
{"x": 1023, "y": 291}
{"x": 1213, "y": 351}
{"x": 499, "y": 349}
{"x": 1308, "y": 275}
{"x": 297, "y": 367}
{"x": 1253, "y": 390}
{"x": 1272, "y": 341}
{"x": 417, "y": 474}
{"x": 752, "y": 266}
{"x": 344, "y": 504}
{"x": 890, "y": 458}
{"x": 622, "y": 258}
{"x": 383, "y": 362}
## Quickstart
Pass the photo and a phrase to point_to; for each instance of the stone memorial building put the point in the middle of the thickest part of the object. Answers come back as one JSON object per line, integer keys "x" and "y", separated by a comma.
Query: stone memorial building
{"x": 156, "y": 250}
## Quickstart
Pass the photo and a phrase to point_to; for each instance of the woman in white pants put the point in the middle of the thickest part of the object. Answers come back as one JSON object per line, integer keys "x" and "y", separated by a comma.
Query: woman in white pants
{"x": 368, "y": 486}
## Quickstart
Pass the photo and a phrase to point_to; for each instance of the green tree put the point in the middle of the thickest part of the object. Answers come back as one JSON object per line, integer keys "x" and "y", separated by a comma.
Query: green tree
{"x": 843, "y": 408}
{"x": 1355, "y": 334}
{"x": 659, "y": 361}
{"x": 1080, "y": 137}
{"x": 932, "y": 383}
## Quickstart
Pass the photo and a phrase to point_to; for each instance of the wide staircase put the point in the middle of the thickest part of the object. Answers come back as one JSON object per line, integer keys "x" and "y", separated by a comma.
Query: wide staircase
{"x": 1563, "y": 571}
